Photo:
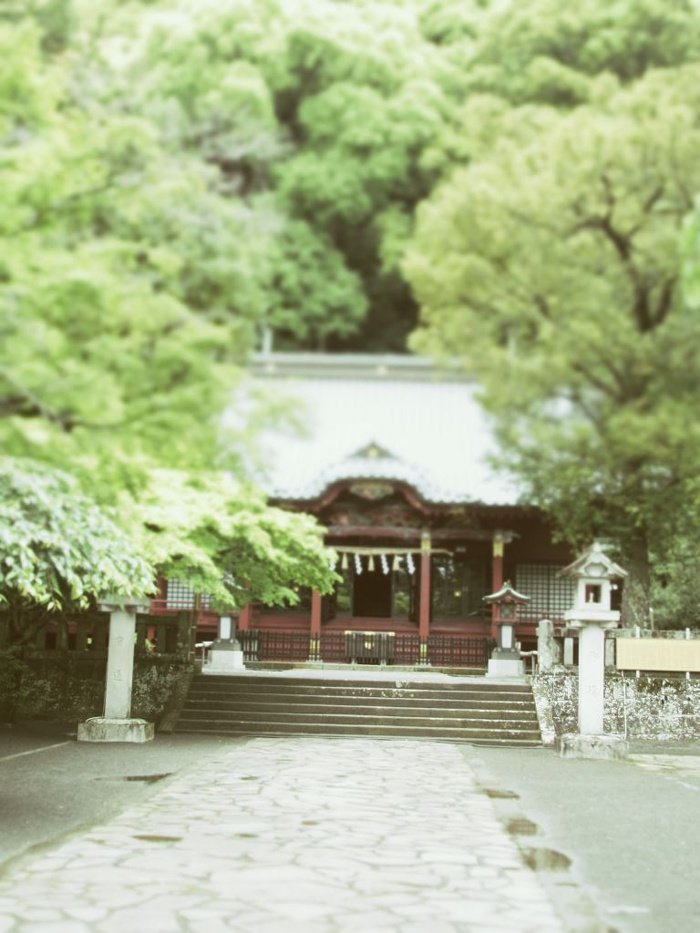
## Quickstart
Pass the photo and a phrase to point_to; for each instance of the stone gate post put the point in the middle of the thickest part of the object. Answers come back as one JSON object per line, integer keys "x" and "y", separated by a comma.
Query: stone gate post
{"x": 116, "y": 725}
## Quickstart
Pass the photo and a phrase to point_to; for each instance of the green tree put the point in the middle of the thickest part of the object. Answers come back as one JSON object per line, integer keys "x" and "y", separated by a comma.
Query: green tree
{"x": 130, "y": 287}
{"x": 310, "y": 273}
{"x": 127, "y": 286}
{"x": 542, "y": 51}
{"x": 221, "y": 538}
{"x": 58, "y": 549}
{"x": 314, "y": 114}
{"x": 553, "y": 266}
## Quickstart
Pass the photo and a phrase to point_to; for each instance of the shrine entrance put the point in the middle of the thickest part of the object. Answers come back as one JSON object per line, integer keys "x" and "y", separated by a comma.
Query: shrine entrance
{"x": 372, "y": 595}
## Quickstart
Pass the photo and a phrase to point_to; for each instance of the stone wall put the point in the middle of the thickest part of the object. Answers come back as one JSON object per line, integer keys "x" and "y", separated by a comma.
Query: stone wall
{"x": 662, "y": 708}
{"x": 71, "y": 688}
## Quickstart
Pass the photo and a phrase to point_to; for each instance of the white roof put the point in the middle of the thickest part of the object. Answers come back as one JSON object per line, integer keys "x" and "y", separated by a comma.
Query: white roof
{"x": 388, "y": 417}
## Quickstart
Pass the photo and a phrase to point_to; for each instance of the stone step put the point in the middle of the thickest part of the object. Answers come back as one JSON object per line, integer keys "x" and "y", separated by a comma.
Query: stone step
{"x": 488, "y": 713}
{"x": 345, "y": 707}
{"x": 390, "y": 681}
{"x": 378, "y": 716}
{"x": 531, "y": 737}
{"x": 387, "y": 690}
{"x": 393, "y": 696}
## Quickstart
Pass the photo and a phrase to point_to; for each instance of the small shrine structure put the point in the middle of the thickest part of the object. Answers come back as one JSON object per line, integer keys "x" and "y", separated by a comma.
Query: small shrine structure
{"x": 506, "y": 660}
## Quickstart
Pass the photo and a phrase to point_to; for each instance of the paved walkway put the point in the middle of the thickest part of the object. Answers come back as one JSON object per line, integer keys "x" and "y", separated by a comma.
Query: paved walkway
{"x": 292, "y": 834}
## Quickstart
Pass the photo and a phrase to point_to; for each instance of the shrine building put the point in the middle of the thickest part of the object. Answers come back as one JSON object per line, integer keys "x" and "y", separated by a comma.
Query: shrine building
{"x": 394, "y": 462}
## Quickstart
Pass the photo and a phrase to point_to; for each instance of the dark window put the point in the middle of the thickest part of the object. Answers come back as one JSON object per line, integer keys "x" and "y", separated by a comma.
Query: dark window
{"x": 458, "y": 587}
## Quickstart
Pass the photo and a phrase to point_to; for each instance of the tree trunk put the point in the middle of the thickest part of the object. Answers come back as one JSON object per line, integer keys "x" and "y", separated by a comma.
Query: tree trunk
{"x": 636, "y": 592}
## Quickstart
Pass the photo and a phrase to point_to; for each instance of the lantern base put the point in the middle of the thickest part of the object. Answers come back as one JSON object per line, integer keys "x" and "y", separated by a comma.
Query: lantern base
{"x": 578, "y": 745}
{"x": 505, "y": 666}
{"x": 224, "y": 658}
{"x": 100, "y": 729}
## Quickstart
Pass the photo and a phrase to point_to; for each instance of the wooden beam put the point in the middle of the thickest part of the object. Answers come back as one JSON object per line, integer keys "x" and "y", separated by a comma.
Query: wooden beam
{"x": 408, "y": 534}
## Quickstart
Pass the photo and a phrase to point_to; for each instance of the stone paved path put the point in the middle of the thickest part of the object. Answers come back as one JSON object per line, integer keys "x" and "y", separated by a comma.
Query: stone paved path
{"x": 292, "y": 834}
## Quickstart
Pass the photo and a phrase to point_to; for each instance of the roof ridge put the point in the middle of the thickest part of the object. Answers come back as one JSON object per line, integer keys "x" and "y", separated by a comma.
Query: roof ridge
{"x": 371, "y": 366}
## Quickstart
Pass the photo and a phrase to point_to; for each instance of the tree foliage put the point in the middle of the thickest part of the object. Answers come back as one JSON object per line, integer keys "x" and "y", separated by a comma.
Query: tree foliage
{"x": 179, "y": 176}
{"x": 314, "y": 113}
{"x": 223, "y": 540}
{"x": 553, "y": 263}
{"x": 58, "y": 549}
{"x": 132, "y": 280}
{"x": 552, "y": 53}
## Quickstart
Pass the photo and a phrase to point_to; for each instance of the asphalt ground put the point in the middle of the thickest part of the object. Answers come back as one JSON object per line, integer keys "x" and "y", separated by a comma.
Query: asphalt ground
{"x": 630, "y": 828}
{"x": 52, "y": 786}
{"x": 624, "y": 834}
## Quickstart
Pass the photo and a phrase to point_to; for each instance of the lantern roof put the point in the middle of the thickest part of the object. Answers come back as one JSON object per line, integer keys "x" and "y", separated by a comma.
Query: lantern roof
{"x": 595, "y": 563}
{"x": 507, "y": 594}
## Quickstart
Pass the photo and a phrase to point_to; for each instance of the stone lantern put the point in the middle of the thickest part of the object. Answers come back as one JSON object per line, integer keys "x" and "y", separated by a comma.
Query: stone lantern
{"x": 594, "y": 573}
{"x": 225, "y": 655}
{"x": 505, "y": 660}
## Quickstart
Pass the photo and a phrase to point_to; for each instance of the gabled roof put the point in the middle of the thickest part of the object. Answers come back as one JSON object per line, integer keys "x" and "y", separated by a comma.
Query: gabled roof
{"x": 371, "y": 462}
{"x": 507, "y": 594}
{"x": 594, "y": 562}
{"x": 380, "y": 417}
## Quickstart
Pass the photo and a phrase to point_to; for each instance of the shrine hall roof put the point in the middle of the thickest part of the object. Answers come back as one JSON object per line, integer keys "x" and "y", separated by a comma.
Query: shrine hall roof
{"x": 378, "y": 417}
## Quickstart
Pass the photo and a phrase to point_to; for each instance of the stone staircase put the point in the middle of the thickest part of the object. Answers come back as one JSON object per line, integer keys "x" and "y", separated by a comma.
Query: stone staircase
{"x": 480, "y": 713}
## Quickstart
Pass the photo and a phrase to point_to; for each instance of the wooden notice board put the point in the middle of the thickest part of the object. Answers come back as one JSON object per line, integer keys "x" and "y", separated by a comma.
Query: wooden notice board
{"x": 657, "y": 654}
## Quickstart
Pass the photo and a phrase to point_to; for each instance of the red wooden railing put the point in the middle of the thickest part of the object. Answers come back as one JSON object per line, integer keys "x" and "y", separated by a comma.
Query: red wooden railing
{"x": 365, "y": 648}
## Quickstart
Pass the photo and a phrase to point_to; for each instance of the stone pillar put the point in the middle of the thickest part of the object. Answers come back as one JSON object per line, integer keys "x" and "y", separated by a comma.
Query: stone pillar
{"x": 424, "y": 605}
{"x": 496, "y": 575}
{"x": 546, "y": 648}
{"x": 120, "y": 665}
{"x": 591, "y": 674}
{"x": 315, "y": 633}
{"x": 569, "y": 651}
{"x": 116, "y": 724}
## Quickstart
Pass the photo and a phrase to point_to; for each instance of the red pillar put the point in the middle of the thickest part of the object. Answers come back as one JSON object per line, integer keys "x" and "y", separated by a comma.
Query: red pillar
{"x": 244, "y": 617}
{"x": 315, "y": 613}
{"x": 496, "y": 577}
{"x": 315, "y": 640}
{"x": 424, "y": 605}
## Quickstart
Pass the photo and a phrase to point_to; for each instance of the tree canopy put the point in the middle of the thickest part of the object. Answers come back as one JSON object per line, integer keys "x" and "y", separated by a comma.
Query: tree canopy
{"x": 131, "y": 285}
{"x": 553, "y": 264}
{"x": 58, "y": 548}
{"x": 318, "y": 116}
{"x": 226, "y": 542}
{"x": 181, "y": 176}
